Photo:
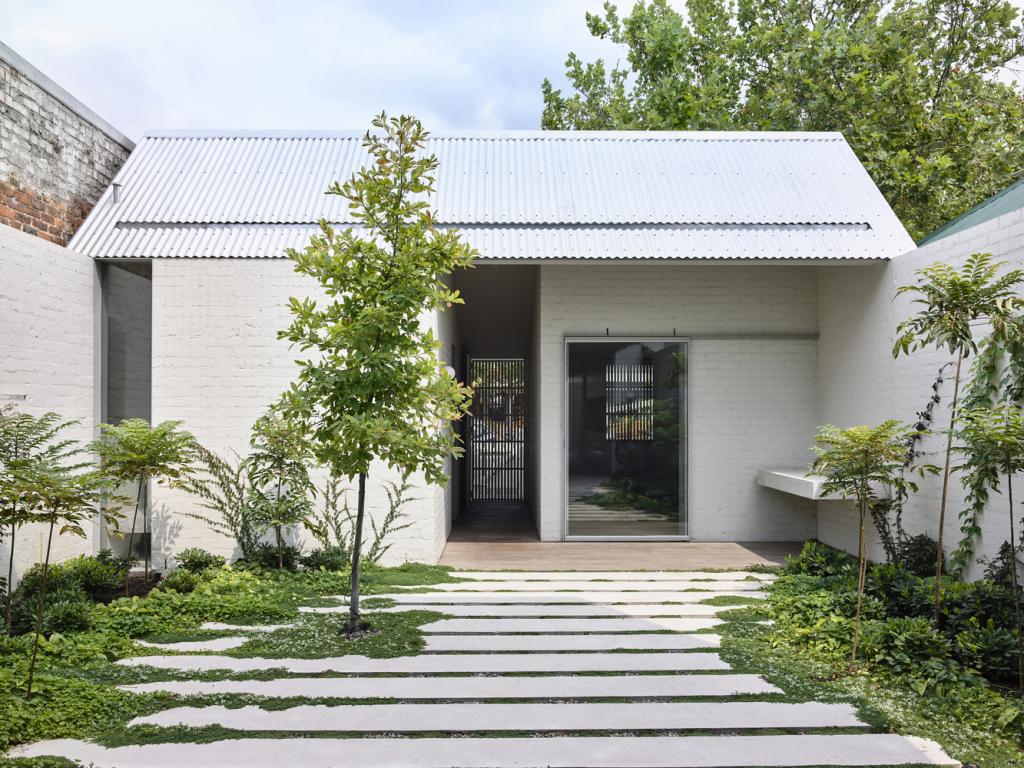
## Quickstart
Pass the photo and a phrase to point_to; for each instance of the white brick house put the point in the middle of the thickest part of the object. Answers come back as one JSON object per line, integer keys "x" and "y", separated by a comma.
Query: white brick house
{"x": 666, "y": 296}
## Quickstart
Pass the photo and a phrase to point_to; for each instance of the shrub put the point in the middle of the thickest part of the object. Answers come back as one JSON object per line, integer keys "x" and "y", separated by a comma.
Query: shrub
{"x": 817, "y": 559}
{"x": 197, "y": 560}
{"x": 101, "y": 577}
{"x": 265, "y": 556}
{"x": 333, "y": 558}
{"x": 63, "y": 586}
{"x": 905, "y": 646}
{"x": 918, "y": 554}
{"x": 181, "y": 580}
{"x": 67, "y": 615}
{"x": 983, "y": 601}
{"x": 988, "y": 648}
{"x": 900, "y": 591}
{"x": 820, "y": 618}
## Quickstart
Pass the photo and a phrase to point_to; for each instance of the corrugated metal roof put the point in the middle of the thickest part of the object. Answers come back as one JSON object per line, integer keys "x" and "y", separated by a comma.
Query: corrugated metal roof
{"x": 527, "y": 194}
{"x": 1005, "y": 201}
{"x": 857, "y": 241}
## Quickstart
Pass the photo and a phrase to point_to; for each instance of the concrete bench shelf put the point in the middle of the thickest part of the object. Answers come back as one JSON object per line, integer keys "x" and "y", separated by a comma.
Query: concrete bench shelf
{"x": 800, "y": 482}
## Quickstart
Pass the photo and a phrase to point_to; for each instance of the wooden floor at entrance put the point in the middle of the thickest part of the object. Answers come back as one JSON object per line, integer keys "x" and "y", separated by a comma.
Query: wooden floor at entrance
{"x": 481, "y": 553}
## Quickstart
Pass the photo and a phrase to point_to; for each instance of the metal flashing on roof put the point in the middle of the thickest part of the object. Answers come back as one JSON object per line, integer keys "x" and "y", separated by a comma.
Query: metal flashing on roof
{"x": 1005, "y": 201}
{"x": 518, "y": 195}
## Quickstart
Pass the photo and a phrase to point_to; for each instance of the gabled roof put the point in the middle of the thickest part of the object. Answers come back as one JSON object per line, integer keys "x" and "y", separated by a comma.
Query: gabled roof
{"x": 515, "y": 194}
{"x": 1005, "y": 201}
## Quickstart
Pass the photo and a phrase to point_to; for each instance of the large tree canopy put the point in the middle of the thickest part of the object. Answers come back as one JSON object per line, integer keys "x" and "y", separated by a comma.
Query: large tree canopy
{"x": 920, "y": 88}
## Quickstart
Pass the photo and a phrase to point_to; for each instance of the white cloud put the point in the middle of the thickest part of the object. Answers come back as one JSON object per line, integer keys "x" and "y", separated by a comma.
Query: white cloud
{"x": 456, "y": 64}
{"x": 305, "y": 63}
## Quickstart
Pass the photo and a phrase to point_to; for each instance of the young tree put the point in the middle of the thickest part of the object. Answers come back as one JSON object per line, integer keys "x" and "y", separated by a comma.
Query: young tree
{"x": 374, "y": 387}
{"x": 952, "y": 301}
{"x": 994, "y": 438}
{"x": 852, "y": 461}
{"x": 59, "y": 492}
{"x": 279, "y": 470}
{"x": 916, "y": 86}
{"x": 135, "y": 452}
{"x": 23, "y": 438}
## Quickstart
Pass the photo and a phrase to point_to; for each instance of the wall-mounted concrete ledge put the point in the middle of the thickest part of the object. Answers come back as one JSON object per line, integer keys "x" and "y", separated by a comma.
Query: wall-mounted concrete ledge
{"x": 801, "y": 483}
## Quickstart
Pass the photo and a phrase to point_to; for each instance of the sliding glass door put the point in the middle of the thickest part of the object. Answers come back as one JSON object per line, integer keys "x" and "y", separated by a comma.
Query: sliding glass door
{"x": 626, "y": 438}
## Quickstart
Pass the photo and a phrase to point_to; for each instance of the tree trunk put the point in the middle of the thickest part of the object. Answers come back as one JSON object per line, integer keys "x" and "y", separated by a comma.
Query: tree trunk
{"x": 131, "y": 536}
{"x": 10, "y": 581}
{"x": 1016, "y": 589}
{"x": 861, "y": 574}
{"x": 945, "y": 490}
{"x": 40, "y": 607}
{"x": 277, "y": 529}
{"x": 357, "y": 551}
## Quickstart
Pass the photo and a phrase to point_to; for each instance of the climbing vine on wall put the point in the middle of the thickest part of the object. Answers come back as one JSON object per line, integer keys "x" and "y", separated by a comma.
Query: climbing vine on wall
{"x": 997, "y": 376}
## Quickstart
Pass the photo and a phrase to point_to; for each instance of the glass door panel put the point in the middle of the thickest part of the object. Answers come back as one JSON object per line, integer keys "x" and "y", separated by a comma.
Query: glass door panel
{"x": 626, "y": 441}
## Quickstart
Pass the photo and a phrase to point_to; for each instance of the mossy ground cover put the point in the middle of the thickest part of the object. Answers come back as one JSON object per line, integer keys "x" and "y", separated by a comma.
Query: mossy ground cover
{"x": 75, "y": 695}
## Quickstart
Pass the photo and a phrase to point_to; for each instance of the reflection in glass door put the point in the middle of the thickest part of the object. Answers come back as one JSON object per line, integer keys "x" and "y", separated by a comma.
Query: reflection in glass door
{"x": 626, "y": 438}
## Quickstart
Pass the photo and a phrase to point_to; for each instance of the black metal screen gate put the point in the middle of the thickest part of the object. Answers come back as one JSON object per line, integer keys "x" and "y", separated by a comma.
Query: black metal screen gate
{"x": 496, "y": 449}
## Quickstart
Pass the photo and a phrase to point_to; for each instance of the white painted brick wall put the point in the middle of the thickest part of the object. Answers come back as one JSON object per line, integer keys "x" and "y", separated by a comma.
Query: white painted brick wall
{"x": 46, "y": 353}
{"x": 861, "y": 383}
{"x": 751, "y": 400}
{"x": 217, "y": 364}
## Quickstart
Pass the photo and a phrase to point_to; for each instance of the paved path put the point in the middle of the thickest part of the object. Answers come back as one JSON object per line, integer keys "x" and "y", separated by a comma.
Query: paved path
{"x": 530, "y": 669}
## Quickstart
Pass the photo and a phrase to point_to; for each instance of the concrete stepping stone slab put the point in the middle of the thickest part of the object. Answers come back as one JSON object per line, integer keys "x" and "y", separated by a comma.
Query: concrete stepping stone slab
{"x": 612, "y": 575}
{"x": 876, "y": 749}
{"x": 221, "y": 626}
{"x": 195, "y": 646}
{"x": 520, "y": 625}
{"x": 540, "y": 643}
{"x": 474, "y": 687}
{"x": 462, "y": 718}
{"x": 636, "y": 610}
{"x": 555, "y": 598}
{"x": 466, "y": 663}
{"x": 594, "y": 586}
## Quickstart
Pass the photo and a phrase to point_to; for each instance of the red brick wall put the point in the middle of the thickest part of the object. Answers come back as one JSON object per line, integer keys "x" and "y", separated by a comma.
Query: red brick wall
{"x": 39, "y": 214}
{"x": 54, "y": 163}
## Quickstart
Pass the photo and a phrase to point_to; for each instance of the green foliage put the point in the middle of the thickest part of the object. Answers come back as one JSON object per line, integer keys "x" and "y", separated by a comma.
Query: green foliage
{"x": 331, "y": 558}
{"x": 197, "y": 560}
{"x": 182, "y": 580}
{"x": 917, "y": 554}
{"x": 371, "y": 385}
{"x": 278, "y": 467}
{"x": 24, "y": 441}
{"x": 988, "y": 648}
{"x": 232, "y": 508}
{"x": 817, "y": 559}
{"x": 67, "y": 615}
{"x": 915, "y": 86}
{"x": 952, "y": 299}
{"x": 282, "y": 556}
{"x": 134, "y": 452}
{"x": 853, "y": 461}
{"x": 910, "y": 647}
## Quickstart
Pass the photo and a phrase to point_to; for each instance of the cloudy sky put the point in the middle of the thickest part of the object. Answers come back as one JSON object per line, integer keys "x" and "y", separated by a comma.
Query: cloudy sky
{"x": 456, "y": 64}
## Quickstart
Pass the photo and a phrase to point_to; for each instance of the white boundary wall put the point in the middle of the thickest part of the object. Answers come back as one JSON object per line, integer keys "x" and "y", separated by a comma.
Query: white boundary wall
{"x": 217, "y": 365}
{"x": 751, "y": 389}
{"x": 860, "y": 383}
{"x": 48, "y": 297}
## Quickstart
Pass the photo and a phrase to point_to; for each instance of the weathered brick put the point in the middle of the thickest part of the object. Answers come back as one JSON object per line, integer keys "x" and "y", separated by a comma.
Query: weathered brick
{"x": 52, "y": 159}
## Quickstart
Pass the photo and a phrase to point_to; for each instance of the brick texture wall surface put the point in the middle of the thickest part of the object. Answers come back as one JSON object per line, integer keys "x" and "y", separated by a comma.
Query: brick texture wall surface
{"x": 46, "y": 345}
{"x": 860, "y": 382}
{"x": 54, "y": 164}
{"x": 217, "y": 365}
{"x": 751, "y": 400}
